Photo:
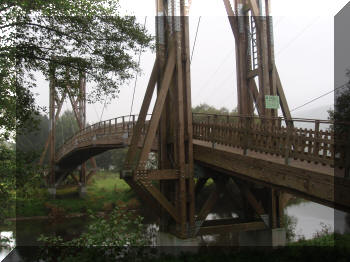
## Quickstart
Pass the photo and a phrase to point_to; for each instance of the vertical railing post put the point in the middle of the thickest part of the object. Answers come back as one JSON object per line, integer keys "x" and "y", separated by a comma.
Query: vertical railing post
{"x": 316, "y": 137}
{"x": 208, "y": 134}
{"x": 214, "y": 133}
{"x": 123, "y": 119}
{"x": 279, "y": 139}
{"x": 246, "y": 134}
{"x": 288, "y": 142}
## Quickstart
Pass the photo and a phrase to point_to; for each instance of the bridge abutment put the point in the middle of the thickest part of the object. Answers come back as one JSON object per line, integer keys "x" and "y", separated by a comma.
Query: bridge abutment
{"x": 82, "y": 191}
{"x": 268, "y": 238}
{"x": 52, "y": 192}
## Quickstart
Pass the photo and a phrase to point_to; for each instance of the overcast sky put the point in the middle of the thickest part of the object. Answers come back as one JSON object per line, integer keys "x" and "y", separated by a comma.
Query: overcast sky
{"x": 304, "y": 47}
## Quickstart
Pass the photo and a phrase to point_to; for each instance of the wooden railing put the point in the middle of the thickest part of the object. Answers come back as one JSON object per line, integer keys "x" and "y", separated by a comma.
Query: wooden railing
{"x": 120, "y": 127}
{"x": 304, "y": 139}
{"x": 276, "y": 136}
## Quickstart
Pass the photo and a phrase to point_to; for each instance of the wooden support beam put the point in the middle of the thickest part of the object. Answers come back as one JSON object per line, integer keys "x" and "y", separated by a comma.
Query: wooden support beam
{"x": 59, "y": 108}
{"x": 142, "y": 117}
{"x": 283, "y": 99}
{"x": 163, "y": 174}
{"x": 90, "y": 175}
{"x": 224, "y": 229}
{"x": 75, "y": 178}
{"x": 158, "y": 108}
{"x": 232, "y": 18}
{"x": 256, "y": 97}
{"x": 255, "y": 9}
{"x": 161, "y": 200}
{"x": 208, "y": 205}
{"x": 258, "y": 208}
{"x": 286, "y": 178}
{"x": 252, "y": 73}
{"x": 143, "y": 195}
{"x": 180, "y": 134}
{"x": 234, "y": 192}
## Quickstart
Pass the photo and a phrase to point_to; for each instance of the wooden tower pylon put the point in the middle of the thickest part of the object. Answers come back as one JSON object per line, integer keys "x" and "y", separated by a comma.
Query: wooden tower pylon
{"x": 65, "y": 83}
{"x": 172, "y": 118}
{"x": 257, "y": 75}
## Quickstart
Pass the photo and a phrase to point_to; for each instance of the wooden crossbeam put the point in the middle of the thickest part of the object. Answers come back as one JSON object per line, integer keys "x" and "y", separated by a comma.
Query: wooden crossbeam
{"x": 163, "y": 174}
{"x": 224, "y": 229}
{"x": 158, "y": 108}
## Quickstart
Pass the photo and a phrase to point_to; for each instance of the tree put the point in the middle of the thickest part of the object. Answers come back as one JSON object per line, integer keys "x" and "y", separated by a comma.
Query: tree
{"x": 207, "y": 109}
{"x": 66, "y": 127}
{"x": 91, "y": 35}
{"x": 341, "y": 112}
{"x": 33, "y": 140}
{"x": 341, "y": 118}
{"x": 120, "y": 237}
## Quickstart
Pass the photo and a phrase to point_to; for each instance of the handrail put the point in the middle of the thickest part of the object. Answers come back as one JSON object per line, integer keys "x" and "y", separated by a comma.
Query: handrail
{"x": 267, "y": 135}
{"x": 98, "y": 125}
{"x": 322, "y": 121}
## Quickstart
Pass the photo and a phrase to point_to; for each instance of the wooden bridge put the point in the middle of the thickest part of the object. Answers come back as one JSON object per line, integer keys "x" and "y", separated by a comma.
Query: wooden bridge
{"x": 253, "y": 157}
{"x": 300, "y": 161}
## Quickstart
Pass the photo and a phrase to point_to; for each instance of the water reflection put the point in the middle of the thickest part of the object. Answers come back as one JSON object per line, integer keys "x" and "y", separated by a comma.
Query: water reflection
{"x": 311, "y": 216}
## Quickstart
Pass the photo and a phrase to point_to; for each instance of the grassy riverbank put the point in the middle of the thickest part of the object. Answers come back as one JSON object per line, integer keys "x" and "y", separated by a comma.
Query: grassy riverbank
{"x": 105, "y": 191}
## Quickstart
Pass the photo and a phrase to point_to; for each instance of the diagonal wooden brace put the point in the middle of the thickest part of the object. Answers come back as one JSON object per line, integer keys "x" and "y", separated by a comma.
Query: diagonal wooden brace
{"x": 161, "y": 199}
{"x": 142, "y": 118}
{"x": 158, "y": 108}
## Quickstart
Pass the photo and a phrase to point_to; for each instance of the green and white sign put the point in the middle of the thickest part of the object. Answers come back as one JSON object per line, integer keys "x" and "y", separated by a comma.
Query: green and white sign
{"x": 272, "y": 102}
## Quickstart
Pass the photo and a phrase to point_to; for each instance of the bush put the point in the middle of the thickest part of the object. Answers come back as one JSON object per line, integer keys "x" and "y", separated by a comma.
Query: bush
{"x": 121, "y": 235}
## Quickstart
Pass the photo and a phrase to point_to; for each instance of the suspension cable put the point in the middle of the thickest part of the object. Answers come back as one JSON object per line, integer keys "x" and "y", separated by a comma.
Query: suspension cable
{"x": 138, "y": 64}
{"x": 195, "y": 38}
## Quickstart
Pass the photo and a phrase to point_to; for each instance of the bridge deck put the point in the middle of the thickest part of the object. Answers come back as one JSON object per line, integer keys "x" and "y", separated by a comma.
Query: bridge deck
{"x": 316, "y": 184}
{"x": 307, "y": 173}
{"x": 307, "y": 165}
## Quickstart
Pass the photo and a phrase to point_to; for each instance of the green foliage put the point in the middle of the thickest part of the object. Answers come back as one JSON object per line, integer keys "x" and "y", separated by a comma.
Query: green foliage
{"x": 92, "y": 36}
{"x": 105, "y": 188}
{"x": 116, "y": 235}
{"x": 28, "y": 140}
{"x": 7, "y": 180}
{"x": 341, "y": 112}
{"x": 66, "y": 127}
{"x": 112, "y": 159}
{"x": 207, "y": 109}
{"x": 20, "y": 177}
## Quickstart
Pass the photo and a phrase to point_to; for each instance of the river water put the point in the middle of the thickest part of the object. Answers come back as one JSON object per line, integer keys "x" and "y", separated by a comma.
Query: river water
{"x": 310, "y": 218}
